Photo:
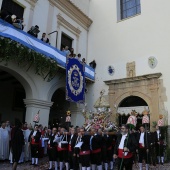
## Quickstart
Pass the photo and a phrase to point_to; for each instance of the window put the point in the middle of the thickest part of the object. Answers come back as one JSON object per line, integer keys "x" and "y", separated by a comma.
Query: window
{"x": 12, "y": 8}
{"x": 129, "y": 8}
{"x": 66, "y": 41}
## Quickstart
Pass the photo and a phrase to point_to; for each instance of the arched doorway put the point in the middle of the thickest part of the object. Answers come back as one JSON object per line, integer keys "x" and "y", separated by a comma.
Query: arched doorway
{"x": 12, "y": 94}
{"x": 58, "y": 110}
{"x": 127, "y": 105}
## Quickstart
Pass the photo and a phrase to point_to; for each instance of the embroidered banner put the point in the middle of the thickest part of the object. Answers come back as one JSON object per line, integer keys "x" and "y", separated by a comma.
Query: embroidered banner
{"x": 75, "y": 80}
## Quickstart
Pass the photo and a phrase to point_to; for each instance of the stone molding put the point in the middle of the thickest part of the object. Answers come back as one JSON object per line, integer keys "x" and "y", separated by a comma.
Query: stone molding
{"x": 130, "y": 69}
{"x": 67, "y": 25}
{"x": 133, "y": 79}
{"x": 38, "y": 103}
{"x": 148, "y": 87}
{"x": 32, "y": 2}
{"x": 73, "y": 12}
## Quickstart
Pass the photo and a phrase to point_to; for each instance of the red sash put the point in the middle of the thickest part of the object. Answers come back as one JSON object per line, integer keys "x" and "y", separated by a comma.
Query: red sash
{"x": 109, "y": 148}
{"x": 141, "y": 146}
{"x": 96, "y": 151}
{"x": 84, "y": 152}
{"x": 69, "y": 148}
{"x": 61, "y": 149}
{"x": 33, "y": 142}
{"x": 121, "y": 154}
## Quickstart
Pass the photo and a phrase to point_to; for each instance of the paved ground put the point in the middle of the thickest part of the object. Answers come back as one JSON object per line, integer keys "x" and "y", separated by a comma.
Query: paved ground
{"x": 43, "y": 165}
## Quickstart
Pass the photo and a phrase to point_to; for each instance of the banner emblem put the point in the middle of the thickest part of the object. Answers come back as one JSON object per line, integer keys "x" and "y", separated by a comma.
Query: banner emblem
{"x": 75, "y": 81}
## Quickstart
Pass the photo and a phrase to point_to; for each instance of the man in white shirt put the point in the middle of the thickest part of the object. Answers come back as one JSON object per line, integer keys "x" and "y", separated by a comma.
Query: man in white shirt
{"x": 4, "y": 142}
{"x": 143, "y": 147}
{"x": 125, "y": 145}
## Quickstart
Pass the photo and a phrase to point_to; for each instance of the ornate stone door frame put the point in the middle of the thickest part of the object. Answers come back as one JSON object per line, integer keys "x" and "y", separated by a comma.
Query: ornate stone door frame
{"x": 146, "y": 86}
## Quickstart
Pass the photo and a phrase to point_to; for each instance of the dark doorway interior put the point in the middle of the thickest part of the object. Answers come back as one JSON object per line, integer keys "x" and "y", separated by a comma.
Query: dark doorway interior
{"x": 12, "y": 8}
{"x": 66, "y": 41}
{"x": 59, "y": 108}
{"x": 132, "y": 101}
{"x": 12, "y": 94}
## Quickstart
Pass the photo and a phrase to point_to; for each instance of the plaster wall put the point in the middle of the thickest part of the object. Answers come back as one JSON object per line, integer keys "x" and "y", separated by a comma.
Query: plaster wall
{"x": 115, "y": 42}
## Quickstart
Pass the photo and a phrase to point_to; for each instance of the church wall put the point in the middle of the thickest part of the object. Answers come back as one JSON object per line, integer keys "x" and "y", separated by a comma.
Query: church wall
{"x": 116, "y": 43}
{"x": 44, "y": 13}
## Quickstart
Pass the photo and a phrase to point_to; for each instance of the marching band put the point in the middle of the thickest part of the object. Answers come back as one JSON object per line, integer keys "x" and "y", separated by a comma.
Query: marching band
{"x": 93, "y": 148}
{"x": 90, "y": 150}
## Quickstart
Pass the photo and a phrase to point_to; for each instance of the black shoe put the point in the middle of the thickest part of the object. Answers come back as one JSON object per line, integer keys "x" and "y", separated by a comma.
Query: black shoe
{"x": 32, "y": 164}
{"x": 162, "y": 163}
{"x": 36, "y": 165}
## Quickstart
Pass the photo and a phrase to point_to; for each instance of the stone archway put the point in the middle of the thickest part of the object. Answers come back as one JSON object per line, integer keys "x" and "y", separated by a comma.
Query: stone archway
{"x": 15, "y": 87}
{"x": 147, "y": 87}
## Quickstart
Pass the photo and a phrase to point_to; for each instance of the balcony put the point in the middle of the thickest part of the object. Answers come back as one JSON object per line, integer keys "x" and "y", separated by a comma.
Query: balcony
{"x": 9, "y": 32}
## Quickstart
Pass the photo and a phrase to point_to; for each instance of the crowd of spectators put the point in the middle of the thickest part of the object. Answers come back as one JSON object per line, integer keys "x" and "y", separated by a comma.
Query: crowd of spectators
{"x": 34, "y": 30}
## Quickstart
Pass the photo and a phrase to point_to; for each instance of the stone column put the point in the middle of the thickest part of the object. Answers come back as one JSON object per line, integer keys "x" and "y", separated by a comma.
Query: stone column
{"x": 0, "y": 3}
{"x": 31, "y": 15}
{"x": 112, "y": 103}
{"x": 33, "y": 106}
{"x": 154, "y": 113}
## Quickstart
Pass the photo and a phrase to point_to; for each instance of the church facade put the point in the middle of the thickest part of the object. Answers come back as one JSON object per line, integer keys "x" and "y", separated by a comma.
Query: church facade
{"x": 129, "y": 42}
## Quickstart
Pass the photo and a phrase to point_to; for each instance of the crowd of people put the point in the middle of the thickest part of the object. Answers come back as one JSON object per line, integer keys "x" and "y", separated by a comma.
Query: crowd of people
{"x": 76, "y": 148}
{"x": 34, "y": 30}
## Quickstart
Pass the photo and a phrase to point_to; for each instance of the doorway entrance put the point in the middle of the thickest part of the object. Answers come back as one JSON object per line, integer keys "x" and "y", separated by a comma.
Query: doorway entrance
{"x": 127, "y": 105}
{"x": 12, "y": 94}
{"x": 58, "y": 110}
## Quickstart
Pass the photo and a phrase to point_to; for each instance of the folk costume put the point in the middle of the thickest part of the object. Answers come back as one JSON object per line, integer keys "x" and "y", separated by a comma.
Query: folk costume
{"x": 107, "y": 151}
{"x": 71, "y": 151}
{"x": 85, "y": 152}
{"x": 62, "y": 149}
{"x": 160, "y": 143}
{"x": 143, "y": 148}
{"x": 52, "y": 151}
{"x": 125, "y": 159}
{"x": 96, "y": 154}
{"x": 34, "y": 139}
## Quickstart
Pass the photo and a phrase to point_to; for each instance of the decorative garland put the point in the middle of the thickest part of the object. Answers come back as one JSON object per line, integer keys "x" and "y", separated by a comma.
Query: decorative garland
{"x": 26, "y": 58}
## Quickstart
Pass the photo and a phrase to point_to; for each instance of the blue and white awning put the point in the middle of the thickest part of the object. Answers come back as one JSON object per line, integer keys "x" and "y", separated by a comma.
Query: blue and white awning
{"x": 9, "y": 31}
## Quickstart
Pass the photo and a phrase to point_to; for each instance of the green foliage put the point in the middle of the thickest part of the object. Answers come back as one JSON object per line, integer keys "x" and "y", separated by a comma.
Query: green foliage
{"x": 154, "y": 124}
{"x": 12, "y": 51}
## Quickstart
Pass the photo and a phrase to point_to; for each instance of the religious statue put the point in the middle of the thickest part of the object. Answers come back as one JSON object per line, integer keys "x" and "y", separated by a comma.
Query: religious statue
{"x": 145, "y": 118}
{"x": 37, "y": 117}
{"x": 132, "y": 120}
{"x": 160, "y": 121}
{"x": 68, "y": 117}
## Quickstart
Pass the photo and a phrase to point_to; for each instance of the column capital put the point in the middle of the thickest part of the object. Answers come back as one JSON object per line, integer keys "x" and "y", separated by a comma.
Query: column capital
{"x": 38, "y": 103}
